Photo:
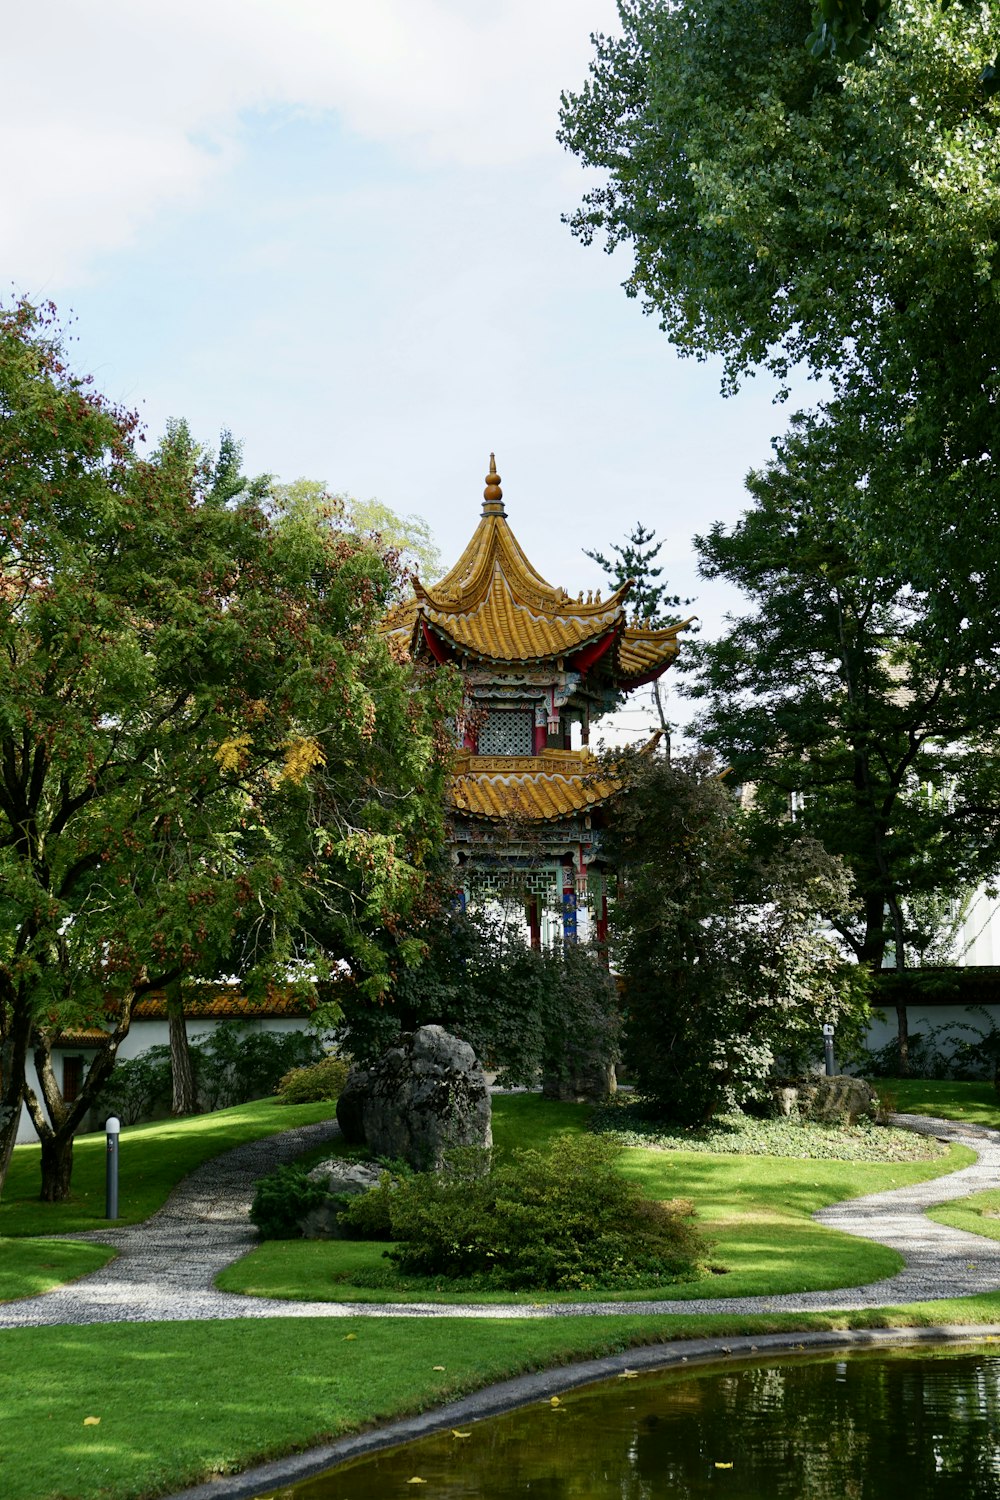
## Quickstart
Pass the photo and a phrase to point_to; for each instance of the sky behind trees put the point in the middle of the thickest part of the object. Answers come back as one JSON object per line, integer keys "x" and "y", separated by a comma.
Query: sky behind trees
{"x": 335, "y": 229}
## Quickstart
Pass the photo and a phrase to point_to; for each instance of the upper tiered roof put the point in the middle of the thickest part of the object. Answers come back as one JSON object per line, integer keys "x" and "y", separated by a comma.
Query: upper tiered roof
{"x": 493, "y": 607}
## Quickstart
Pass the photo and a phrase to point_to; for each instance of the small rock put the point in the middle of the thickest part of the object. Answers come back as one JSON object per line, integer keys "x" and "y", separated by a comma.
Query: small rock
{"x": 341, "y": 1179}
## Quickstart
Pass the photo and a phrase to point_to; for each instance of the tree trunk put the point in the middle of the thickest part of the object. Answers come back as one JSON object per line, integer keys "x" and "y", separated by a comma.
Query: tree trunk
{"x": 58, "y": 1123}
{"x": 12, "y": 1059}
{"x": 57, "y": 1168}
{"x": 185, "y": 1098}
{"x": 903, "y": 1040}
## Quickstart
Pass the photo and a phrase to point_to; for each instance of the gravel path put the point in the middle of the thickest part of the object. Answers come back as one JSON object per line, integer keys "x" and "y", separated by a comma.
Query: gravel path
{"x": 166, "y": 1266}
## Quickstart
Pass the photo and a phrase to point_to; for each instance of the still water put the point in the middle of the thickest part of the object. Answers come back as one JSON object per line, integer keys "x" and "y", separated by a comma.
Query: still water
{"x": 882, "y": 1426}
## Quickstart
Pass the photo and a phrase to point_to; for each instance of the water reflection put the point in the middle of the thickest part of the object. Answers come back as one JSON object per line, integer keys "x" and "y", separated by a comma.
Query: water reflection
{"x": 872, "y": 1427}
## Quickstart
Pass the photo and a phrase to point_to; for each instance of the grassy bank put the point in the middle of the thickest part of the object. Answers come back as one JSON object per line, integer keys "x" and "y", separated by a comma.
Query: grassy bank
{"x": 185, "y": 1402}
{"x": 152, "y": 1161}
{"x": 182, "y": 1402}
{"x": 755, "y": 1209}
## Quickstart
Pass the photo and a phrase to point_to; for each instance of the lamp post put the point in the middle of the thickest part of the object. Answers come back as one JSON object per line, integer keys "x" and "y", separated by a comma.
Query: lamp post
{"x": 828, "y": 1049}
{"x": 112, "y": 1127}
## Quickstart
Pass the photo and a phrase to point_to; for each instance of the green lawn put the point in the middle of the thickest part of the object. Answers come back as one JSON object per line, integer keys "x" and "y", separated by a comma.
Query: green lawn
{"x": 152, "y": 1160}
{"x": 757, "y": 1210}
{"x": 976, "y": 1103}
{"x": 183, "y": 1402}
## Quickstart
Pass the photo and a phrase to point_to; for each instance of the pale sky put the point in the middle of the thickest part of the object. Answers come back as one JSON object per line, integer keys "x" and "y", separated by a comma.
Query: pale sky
{"x": 335, "y": 230}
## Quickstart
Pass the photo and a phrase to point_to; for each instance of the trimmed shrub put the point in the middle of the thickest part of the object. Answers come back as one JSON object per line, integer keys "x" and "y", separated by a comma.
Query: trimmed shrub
{"x": 321, "y": 1080}
{"x": 564, "y": 1220}
{"x": 281, "y": 1200}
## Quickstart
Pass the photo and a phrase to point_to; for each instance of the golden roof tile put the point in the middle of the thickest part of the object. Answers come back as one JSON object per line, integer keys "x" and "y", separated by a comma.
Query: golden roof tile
{"x": 536, "y": 788}
{"x": 644, "y": 652}
{"x": 494, "y": 604}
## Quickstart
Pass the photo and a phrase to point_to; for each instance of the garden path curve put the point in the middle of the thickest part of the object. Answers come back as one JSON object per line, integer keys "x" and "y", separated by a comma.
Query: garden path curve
{"x": 165, "y": 1267}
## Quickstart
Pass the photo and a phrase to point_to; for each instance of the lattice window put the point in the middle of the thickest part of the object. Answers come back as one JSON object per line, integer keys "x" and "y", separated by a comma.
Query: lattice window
{"x": 503, "y": 885}
{"x": 507, "y": 731}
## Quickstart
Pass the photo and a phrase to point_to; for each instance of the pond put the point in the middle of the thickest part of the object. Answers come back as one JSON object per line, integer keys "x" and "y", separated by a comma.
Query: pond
{"x": 879, "y": 1426}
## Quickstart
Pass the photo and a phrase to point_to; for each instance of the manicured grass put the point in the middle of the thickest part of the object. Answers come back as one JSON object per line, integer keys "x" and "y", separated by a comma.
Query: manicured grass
{"x": 976, "y": 1103}
{"x": 152, "y": 1160}
{"x": 29, "y": 1267}
{"x": 756, "y": 1210}
{"x": 979, "y": 1214}
{"x": 182, "y": 1402}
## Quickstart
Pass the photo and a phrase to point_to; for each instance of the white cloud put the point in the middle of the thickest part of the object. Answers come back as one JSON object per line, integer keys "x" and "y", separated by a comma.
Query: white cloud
{"x": 116, "y": 112}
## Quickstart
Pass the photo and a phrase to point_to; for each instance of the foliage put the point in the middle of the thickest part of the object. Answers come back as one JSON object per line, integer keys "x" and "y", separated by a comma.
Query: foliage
{"x": 724, "y": 968}
{"x": 633, "y": 560}
{"x": 136, "y": 1088}
{"x": 234, "y": 1065}
{"x": 786, "y": 209}
{"x": 561, "y": 1220}
{"x": 522, "y": 1011}
{"x": 280, "y": 1201}
{"x": 211, "y": 760}
{"x": 846, "y": 710}
{"x": 408, "y": 536}
{"x": 324, "y": 1079}
{"x": 958, "y": 1050}
{"x": 631, "y": 1123}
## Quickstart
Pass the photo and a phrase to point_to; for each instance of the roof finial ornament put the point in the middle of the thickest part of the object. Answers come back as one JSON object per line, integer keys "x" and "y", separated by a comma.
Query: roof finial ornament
{"x": 493, "y": 494}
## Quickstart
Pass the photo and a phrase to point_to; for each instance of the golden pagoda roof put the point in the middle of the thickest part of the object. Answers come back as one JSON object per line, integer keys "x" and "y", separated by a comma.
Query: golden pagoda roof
{"x": 536, "y": 788}
{"x": 495, "y": 607}
{"x": 644, "y": 652}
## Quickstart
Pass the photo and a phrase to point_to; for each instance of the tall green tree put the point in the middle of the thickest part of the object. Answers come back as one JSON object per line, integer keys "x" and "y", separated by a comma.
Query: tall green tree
{"x": 635, "y": 561}
{"x": 408, "y": 536}
{"x": 201, "y": 734}
{"x": 725, "y": 971}
{"x": 849, "y": 714}
{"x": 785, "y": 209}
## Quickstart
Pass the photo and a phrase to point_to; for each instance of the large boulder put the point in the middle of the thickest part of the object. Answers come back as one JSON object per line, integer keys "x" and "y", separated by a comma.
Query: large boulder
{"x": 341, "y": 1179}
{"x": 350, "y": 1107}
{"x": 423, "y": 1097}
{"x": 841, "y": 1100}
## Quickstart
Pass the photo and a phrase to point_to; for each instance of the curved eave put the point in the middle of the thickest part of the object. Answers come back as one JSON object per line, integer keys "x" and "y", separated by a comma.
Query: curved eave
{"x": 541, "y": 798}
{"x": 519, "y": 640}
{"x": 643, "y": 655}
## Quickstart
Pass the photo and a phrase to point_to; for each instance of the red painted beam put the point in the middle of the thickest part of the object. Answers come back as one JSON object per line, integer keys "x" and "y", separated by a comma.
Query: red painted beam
{"x": 586, "y": 658}
{"x": 437, "y": 648}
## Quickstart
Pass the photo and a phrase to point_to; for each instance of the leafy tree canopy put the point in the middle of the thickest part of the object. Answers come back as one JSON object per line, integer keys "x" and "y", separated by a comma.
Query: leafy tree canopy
{"x": 209, "y": 760}
{"x": 409, "y": 536}
{"x": 726, "y": 975}
{"x": 850, "y": 715}
{"x": 787, "y": 210}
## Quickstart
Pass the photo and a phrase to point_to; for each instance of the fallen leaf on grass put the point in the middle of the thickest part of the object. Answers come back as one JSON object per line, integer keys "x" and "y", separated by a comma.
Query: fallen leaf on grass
{"x": 437, "y": 1367}
{"x": 91, "y": 1421}
{"x": 349, "y": 1336}
{"x": 456, "y": 1433}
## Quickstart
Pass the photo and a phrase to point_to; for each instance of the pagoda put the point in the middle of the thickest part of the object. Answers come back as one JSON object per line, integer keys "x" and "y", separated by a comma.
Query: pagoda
{"x": 538, "y": 668}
